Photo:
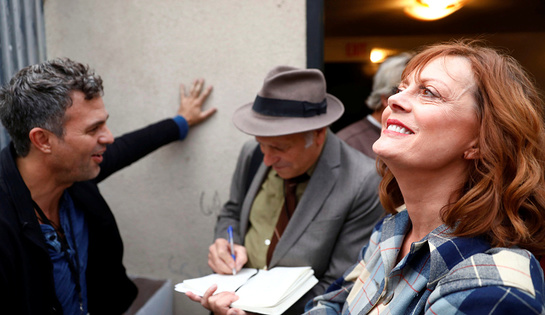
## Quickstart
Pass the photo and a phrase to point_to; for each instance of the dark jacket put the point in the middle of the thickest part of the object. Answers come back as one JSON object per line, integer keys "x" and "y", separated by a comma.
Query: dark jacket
{"x": 26, "y": 277}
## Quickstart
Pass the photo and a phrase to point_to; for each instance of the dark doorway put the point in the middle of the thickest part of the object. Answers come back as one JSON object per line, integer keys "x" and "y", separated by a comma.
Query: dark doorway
{"x": 341, "y": 34}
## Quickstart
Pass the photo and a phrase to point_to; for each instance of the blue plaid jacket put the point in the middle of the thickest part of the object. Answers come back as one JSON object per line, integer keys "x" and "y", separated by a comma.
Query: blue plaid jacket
{"x": 441, "y": 275}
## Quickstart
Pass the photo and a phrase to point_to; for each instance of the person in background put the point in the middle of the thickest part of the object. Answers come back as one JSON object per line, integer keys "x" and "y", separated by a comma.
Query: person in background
{"x": 61, "y": 251}
{"x": 335, "y": 198}
{"x": 363, "y": 133}
{"x": 463, "y": 147}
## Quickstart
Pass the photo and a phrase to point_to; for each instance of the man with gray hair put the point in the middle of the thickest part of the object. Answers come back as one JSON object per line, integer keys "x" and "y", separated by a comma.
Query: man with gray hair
{"x": 61, "y": 251}
{"x": 311, "y": 200}
{"x": 363, "y": 133}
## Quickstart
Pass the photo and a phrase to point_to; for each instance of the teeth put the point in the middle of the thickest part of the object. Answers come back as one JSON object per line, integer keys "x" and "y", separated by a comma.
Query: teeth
{"x": 399, "y": 129}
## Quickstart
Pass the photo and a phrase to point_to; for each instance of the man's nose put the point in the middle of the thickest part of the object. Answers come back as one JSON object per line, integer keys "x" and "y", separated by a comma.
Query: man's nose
{"x": 269, "y": 158}
{"x": 106, "y": 137}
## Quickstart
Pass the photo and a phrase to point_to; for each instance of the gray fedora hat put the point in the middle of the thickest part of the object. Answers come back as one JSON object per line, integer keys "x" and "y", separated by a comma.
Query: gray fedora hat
{"x": 291, "y": 100}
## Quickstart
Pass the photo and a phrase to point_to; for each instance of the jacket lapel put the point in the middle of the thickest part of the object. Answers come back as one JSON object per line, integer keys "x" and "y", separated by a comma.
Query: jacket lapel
{"x": 260, "y": 175}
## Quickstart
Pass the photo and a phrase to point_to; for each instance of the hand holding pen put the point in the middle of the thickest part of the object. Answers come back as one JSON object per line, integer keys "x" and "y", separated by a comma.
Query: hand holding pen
{"x": 232, "y": 245}
{"x": 220, "y": 256}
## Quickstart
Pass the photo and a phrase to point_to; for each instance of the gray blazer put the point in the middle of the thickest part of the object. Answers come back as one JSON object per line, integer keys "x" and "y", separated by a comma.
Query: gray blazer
{"x": 332, "y": 221}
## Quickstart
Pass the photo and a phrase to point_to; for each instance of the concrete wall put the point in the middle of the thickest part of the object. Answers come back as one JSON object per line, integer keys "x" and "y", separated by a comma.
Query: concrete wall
{"x": 166, "y": 204}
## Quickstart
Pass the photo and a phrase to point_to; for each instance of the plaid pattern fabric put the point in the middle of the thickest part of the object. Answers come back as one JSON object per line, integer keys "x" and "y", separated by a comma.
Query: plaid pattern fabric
{"x": 441, "y": 275}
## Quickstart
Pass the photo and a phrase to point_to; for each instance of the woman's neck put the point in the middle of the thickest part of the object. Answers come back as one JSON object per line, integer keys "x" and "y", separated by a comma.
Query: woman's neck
{"x": 426, "y": 194}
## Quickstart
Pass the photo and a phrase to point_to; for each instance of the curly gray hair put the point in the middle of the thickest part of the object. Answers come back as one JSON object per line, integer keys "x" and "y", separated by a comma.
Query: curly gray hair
{"x": 38, "y": 96}
{"x": 387, "y": 78}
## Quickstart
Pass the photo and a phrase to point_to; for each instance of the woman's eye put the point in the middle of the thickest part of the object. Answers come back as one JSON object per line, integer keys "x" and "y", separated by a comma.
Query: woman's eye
{"x": 395, "y": 90}
{"x": 427, "y": 92}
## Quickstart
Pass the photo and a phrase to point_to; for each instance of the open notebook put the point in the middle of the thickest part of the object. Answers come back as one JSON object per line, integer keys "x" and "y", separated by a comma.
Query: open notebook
{"x": 261, "y": 291}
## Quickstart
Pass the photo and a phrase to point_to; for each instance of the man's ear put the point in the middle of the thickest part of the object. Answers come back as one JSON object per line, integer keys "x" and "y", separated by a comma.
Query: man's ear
{"x": 41, "y": 139}
{"x": 320, "y": 135}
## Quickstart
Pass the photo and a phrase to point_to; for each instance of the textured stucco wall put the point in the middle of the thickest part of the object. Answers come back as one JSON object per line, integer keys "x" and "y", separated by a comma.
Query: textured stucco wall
{"x": 166, "y": 203}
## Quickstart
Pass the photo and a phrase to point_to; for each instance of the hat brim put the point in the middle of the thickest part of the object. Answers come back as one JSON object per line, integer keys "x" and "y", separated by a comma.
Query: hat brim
{"x": 252, "y": 123}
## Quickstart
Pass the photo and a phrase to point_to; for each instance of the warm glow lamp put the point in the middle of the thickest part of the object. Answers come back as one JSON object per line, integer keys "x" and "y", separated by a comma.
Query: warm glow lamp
{"x": 429, "y": 10}
{"x": 378, "y": 55}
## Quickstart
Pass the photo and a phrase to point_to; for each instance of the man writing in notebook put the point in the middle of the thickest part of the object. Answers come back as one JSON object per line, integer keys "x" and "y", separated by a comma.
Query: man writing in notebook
{"x": 312, "y": 201}
{"x": 61, "y": 251}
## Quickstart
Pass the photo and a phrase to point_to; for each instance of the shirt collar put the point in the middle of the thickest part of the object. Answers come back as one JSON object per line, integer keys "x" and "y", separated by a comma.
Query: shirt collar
{"x": 373, "y": 121}
{"x": 444, "y": 250}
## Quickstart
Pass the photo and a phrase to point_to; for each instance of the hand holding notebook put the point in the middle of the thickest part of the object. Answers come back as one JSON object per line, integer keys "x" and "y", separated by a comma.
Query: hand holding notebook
{"x": 262, "y": 291}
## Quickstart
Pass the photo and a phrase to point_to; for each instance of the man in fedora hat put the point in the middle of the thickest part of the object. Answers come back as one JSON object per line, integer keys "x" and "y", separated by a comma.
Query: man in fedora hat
{"x": 336, "y": 188}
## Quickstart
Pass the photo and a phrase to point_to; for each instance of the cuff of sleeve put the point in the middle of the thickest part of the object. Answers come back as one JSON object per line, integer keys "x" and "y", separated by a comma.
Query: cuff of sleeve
{"x": 182, "y": 125}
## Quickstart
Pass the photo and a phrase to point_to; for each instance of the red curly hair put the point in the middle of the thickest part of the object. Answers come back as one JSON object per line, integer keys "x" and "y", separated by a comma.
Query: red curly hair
{"x": 503, "y": 198}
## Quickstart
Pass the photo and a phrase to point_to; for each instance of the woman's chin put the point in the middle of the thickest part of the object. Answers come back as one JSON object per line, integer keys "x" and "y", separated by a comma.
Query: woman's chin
{"x": 381, "y": 149}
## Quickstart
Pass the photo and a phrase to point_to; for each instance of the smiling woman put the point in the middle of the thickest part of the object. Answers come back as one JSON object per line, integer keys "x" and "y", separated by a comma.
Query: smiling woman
{"x": 462, "y": 151}
{"x": 432, "y": 115}
{"x": 507, "y": 162}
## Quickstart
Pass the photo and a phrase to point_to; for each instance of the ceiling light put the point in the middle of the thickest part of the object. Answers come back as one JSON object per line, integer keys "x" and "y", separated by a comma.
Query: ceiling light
{"x": 378, "y": 55}
{"x": 429, "y": 10}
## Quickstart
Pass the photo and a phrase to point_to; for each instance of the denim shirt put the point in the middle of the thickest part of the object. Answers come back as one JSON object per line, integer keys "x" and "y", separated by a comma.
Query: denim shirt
{"x": 76, "y": 233}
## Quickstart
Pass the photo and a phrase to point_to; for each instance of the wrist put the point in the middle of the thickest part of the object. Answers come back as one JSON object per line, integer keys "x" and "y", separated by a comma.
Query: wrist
{"x": 183, "y": 126}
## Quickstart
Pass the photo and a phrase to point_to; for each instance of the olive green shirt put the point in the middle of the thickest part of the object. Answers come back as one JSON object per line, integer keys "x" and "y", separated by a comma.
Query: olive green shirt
{"x": 264, "y": 215}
